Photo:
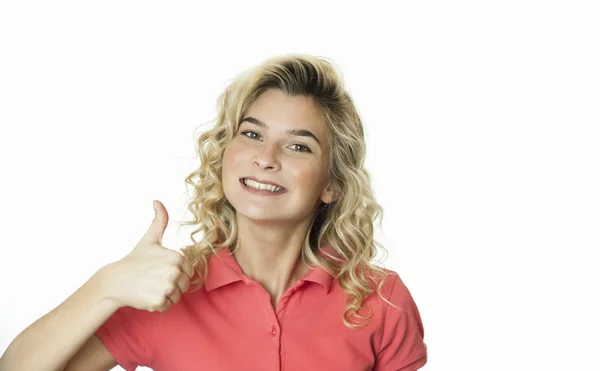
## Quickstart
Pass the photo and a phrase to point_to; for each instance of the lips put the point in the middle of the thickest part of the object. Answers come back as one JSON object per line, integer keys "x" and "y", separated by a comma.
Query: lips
{"x": 263, "y": 181}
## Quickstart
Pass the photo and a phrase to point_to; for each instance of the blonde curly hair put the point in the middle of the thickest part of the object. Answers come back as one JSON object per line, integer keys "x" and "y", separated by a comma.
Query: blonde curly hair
{"x": 344, "y": 226}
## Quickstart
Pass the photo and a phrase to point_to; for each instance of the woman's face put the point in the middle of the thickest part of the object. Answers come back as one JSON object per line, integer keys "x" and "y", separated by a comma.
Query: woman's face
{"x": 274, "y": 143}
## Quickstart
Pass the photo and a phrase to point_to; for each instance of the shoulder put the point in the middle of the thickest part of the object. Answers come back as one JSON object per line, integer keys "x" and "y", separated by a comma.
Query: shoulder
{"x": 128, "y": 335}
{"x": 395, "y": 291}
{"x": 396, "y": 307}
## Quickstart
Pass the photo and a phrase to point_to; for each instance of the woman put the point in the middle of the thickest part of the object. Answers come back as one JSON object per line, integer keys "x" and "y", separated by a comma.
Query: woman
{"x": 282, "y": 277}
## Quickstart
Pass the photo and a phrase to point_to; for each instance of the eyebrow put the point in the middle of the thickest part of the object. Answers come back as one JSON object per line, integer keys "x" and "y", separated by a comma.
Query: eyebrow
{"x": 299, "y": 132}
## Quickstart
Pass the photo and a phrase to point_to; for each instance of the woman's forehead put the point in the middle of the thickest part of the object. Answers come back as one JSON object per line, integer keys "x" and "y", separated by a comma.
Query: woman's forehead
{"x": 274, "y": 110}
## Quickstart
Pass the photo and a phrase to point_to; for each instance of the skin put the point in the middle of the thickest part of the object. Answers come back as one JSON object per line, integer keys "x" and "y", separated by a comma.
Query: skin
{"x": 272, "y": 228}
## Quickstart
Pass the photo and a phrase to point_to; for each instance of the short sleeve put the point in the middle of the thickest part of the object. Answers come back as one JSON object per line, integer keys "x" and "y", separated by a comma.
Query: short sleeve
{"x": 127, "y": 335}
{"x": 402, "y": 346}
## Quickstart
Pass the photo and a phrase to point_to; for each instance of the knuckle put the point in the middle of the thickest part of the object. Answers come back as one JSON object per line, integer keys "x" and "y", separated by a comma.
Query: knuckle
{"x": 189, "y": 270}
{"x": 166, "y": 304}
{"x": 170, "y": 288}
{"x": 177, "y": 258}
{"x": 185, "y": 282}
{"x": 159, "y": 303}
{"x": 173, "y": 275}
{"x": 185, "y": 285}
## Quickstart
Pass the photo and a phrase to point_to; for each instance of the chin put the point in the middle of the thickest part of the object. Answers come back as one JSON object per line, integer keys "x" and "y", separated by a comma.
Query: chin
{"x": 255, "y": 213}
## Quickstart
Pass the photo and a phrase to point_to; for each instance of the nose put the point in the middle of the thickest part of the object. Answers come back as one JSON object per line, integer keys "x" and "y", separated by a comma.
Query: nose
{"x": 266, "y": 158}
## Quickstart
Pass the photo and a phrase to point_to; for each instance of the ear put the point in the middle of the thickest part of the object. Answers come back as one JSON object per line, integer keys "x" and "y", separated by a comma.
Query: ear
{"x": 329, "y": 194}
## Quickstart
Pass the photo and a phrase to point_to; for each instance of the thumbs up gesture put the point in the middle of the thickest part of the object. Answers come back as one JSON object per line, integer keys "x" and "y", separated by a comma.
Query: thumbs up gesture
{"x": 151, "y": 277}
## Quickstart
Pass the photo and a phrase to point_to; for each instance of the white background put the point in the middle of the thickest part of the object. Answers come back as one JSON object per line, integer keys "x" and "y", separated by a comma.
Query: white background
{"x": 481, "y": 135}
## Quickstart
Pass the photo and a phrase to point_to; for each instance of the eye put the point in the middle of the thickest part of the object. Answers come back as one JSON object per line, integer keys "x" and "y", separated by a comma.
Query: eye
{"x": 300, "y": 145}
{"x": 251, "y": 132}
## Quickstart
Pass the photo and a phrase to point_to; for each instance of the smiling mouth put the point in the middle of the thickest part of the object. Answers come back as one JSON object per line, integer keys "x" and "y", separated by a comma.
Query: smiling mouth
{"x": 260, "y": 187}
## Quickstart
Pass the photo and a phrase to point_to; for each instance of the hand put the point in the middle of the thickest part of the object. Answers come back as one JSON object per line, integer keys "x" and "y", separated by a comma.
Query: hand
{"x": 151, "y": 277}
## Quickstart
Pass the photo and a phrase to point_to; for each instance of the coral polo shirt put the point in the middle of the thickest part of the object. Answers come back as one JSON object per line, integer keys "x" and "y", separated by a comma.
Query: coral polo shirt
{"x": 230, "y": 324}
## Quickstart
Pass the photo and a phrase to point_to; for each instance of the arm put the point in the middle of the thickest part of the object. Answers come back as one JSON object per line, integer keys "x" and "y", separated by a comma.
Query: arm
{"x": 108, "y": 312}
{"x": 51, "y": 341}
{"x": 93, "y": 356}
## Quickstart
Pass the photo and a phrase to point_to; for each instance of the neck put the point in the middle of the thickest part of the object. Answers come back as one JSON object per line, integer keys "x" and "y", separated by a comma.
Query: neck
{"x": 271, "y": 253}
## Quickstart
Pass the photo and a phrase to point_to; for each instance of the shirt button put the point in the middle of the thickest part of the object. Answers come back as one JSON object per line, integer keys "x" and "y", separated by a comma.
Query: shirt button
{"x": 273, "y": 331}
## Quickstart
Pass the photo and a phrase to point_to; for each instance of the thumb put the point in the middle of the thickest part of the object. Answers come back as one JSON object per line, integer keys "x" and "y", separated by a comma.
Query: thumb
{"x": 155, "y": 232}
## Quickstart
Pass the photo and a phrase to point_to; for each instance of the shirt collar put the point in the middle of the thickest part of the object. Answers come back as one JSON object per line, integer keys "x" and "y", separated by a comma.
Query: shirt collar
{"x": 223, "y": 269}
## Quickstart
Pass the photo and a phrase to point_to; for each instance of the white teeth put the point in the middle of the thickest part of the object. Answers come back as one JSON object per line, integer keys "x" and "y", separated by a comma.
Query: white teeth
{"x": 268, "y": 187}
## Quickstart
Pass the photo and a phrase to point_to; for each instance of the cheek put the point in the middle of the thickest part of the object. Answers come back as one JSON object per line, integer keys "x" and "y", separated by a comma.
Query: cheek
{"x": 307, "y": 177}
{"x": 231, "y": 156}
